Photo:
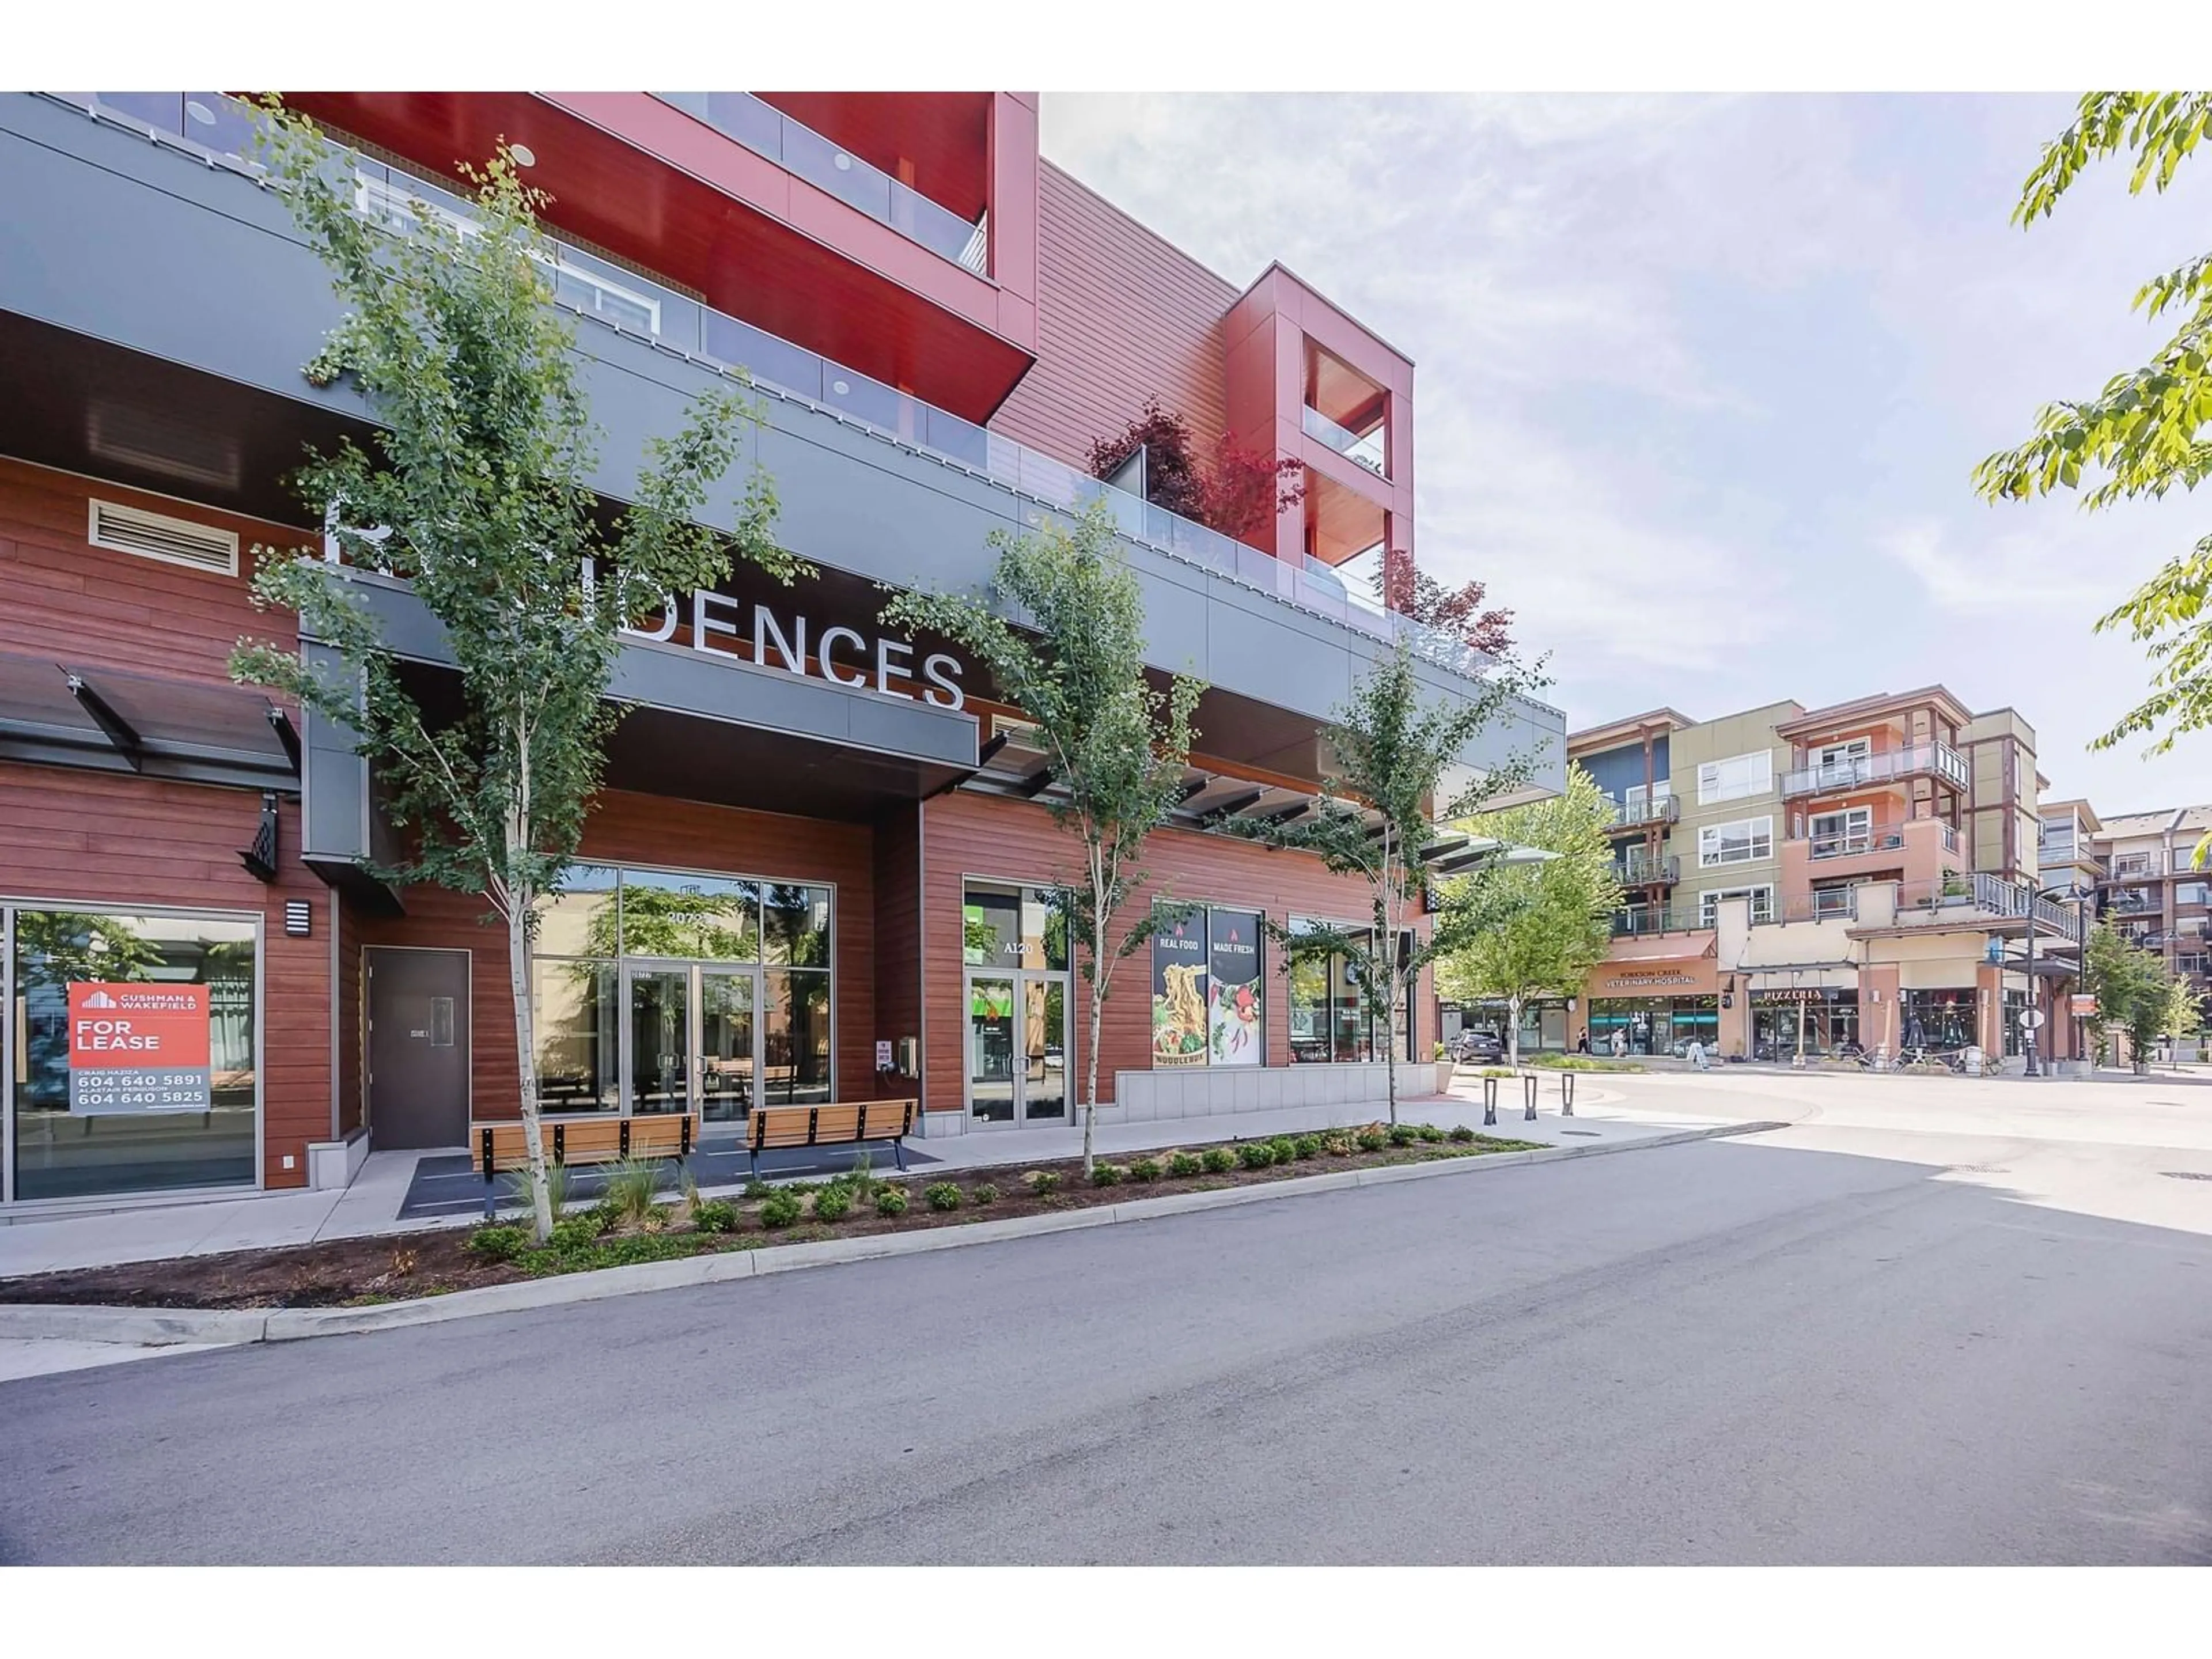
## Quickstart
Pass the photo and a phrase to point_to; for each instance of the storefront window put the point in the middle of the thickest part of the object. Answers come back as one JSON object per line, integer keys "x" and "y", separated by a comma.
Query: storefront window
{"x": 1208, "y": 997}
{"x": 1940, "y": 1020}
{"x": 797, "y": 1025}
{"x": 1825, "y": 1023}
{"x": 665, "y": 991}
{"x": 1332, "y": 1018}
{"x": 134, "y": 1053}
{"x": 1653, "y": 1025}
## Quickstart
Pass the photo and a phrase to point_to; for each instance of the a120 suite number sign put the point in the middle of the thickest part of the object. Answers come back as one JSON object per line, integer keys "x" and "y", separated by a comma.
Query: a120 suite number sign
{"x": 138, "y": 1049}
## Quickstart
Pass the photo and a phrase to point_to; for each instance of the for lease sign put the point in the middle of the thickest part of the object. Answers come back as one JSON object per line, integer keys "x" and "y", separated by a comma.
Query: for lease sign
{"x": 137, "y": 1047}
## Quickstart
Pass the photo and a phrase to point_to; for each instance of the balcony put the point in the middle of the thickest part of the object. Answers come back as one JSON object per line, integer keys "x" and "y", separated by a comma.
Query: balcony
{"x": 1648, "y": 872}
{"x": 1971, "y": 900}
{"x": 1936, "y": 760}
{"x": 2134, "y": 866}
{"x": 1636, "y": 919}
{"x": 1889, "y": 836}
{"x": 798, "y": 148}
{"x": 636, "y": 306}
{"x": 1638, "y": 811}
{"x": 2129, "y": 901}
{"x": 1367, "y": 451}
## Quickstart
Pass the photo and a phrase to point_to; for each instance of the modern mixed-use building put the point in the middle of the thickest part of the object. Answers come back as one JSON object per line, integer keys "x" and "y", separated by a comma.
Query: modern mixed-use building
{"x": 818, "y": 870}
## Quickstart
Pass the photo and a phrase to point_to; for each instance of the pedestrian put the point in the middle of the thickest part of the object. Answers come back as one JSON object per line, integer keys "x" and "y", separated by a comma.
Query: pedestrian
{"x": 1582, "y": 1043}
{"x": 1696, "y": 1055}
{"x": 1619, "y": 1042}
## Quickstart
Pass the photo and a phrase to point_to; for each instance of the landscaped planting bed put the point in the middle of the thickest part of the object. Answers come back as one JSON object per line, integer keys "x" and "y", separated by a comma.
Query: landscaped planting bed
{"x": 629, "y": 1225}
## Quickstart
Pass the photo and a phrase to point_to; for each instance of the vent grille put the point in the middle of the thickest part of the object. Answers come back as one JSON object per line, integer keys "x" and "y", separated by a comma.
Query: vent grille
{"x": 157, "y": 536}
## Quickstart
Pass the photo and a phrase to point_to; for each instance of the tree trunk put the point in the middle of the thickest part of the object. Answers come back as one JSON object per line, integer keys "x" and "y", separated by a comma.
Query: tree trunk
{"x": 526, "y": 1054}
{"x": 1390, "y": 1055}
{"x": 1097, "y": 1016}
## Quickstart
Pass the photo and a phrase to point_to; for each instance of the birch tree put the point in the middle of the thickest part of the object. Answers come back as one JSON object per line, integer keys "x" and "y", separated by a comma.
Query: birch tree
{"x": 1116, "y": 744}
{"x": 476, "y": 490}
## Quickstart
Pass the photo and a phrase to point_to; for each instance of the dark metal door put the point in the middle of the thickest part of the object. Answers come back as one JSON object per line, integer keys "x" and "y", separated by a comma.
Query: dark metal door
{"x": 418, "y": 1048}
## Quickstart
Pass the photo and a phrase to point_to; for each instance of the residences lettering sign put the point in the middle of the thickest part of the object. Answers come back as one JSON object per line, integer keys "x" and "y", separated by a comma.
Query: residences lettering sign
{"x": 882, "y": 663}
{"x": 138, "y": 1049}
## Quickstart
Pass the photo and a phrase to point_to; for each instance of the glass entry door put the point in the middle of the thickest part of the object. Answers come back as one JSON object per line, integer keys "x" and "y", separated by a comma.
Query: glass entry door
{"x": 1017, "y": 1048}
{"x": 690, "y": 1039}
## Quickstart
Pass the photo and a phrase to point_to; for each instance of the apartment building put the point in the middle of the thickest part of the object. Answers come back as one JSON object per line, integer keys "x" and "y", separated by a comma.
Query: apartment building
{"x": 1882, "y": 854}
{"x": 823, "y": 865}
{"x": 2149, "y": 883}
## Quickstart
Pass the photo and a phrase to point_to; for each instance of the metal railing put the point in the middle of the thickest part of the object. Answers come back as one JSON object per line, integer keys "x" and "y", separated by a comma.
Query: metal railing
{"x": 1918, "y": 760}
{"x": 2134, "y": 866}
{"x": 1641, "y": 810}
{"x": 1984, "y": 895}
{"x": 1644, "y": 873}
{"x": 1368, "y": 451}
{"x": 1638, "y": 919}
{"x": 634, "y": 304}
{"x": 797, "y": 148}
{"x": 1872, "y": 838}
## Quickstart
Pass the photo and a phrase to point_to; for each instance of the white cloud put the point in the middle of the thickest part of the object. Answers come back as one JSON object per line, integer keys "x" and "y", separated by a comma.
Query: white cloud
{"x": 2006, "y": 573}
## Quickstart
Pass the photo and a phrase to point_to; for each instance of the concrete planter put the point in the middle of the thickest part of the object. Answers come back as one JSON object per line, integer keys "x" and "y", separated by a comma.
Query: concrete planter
{"x": 332, "y": 1165}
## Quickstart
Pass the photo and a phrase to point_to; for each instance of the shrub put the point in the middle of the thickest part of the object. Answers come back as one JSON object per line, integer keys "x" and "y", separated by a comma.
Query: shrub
{"x": 1461, "y": 1134}
{"x": 1285, "y": 1148}
{"x": 1403, "y": 1134}
{"x": 1337, "y": 1146}
{"x": 714, "y": 1215}
{"x": 941, "y": 1195}
{"x": 1144, "y": 1170}
{"x": 500, "y": 1241}
{"x": 755, "y": 1188}
{"x": 1218, "y": 1160}
{"x": 1186, "y": 1163}
{"x": 861, "y": 1177}
{"x": 1106, "y": 1175}
{"x": 984, "y": 1192}
{"x": 1043, "y": 1182}
{"x": 779, "y": 1209}
{"x": 833, "y": 1203}
{"x": 1255, "y": 1154}
{"x": 890, "y": 1200}
{"x": 574, "y": 1233}
{"x": 556, "y": 1183}
{"x": 1308, "y": 1145}
{"x": 1371, "y": 1140}
{"x": 1429, "y": 1131}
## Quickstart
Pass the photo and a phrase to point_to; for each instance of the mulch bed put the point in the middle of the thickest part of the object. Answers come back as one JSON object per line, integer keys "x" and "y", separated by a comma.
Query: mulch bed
{"x": 358, "y": 1271}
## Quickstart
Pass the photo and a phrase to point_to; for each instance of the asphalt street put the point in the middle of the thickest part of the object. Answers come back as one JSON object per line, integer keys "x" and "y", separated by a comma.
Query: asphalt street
{"x": 1729, "y": 1352}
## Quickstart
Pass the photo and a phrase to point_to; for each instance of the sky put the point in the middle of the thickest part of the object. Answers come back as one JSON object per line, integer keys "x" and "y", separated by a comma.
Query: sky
{"x": 1700, "y": 381}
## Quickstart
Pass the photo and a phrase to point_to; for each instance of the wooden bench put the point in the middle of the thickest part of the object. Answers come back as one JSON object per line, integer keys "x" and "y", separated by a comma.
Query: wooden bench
{"x": 583, "y": 1141}
{"x": 775, "y": 1127}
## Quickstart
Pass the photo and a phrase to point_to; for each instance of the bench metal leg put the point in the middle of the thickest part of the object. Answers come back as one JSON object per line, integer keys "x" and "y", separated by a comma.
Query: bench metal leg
{"x": 752, "y": 1162}
{"x": 898, "y": 1151}
{"x": 491, "y": 1206}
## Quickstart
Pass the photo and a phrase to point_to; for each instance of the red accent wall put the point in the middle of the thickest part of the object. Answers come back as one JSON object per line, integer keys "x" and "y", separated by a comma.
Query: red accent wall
{"x": 1121, "y": 314}
{"x": 966, "y": 835}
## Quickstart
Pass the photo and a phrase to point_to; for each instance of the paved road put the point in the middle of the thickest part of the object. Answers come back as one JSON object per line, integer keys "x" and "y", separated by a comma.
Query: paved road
{"x": 1723, "y": 1352}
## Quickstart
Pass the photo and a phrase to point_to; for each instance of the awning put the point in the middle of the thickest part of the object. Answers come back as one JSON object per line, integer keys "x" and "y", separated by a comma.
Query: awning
{"x": 109, "y": 720}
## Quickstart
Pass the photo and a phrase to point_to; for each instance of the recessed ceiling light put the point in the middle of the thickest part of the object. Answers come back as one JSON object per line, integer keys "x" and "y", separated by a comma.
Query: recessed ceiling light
{"x": 524, "y": 156}
{"x": 842, "y": 162}
{"x": 840, "y": 387}
{"x": 199, "y": 111}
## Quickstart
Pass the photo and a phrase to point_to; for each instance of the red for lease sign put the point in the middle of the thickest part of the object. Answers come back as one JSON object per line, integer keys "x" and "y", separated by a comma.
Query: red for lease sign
{"x": 138, "y": 1048}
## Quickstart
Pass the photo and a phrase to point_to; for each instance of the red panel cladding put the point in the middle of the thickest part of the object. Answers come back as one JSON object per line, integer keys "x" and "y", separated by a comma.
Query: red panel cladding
{"x": 938, "y": 143}
{"x": 1122, "y": 315}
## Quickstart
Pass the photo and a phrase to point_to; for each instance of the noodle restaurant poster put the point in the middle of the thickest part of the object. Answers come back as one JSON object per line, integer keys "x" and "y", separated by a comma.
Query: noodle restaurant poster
{"x": 1179, "y": 988}
{"x": 1233, "y": 1025}
{"x": 137, "y": 1048}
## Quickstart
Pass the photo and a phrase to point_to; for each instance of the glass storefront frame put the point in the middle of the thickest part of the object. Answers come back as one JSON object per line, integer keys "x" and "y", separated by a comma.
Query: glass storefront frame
{"x": 13, "y": 1032}
{"x": 1830, "y": 1025}
{"x": 799, "y": 965}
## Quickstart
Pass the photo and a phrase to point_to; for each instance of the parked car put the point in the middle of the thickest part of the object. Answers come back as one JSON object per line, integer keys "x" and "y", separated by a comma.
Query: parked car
{"x": 1477, "y": 1047}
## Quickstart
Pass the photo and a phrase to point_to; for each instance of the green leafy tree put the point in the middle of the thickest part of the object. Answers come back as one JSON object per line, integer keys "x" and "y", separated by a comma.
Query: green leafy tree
{"x": 2144, "y": 434}
{"x": 1394, "y": 748}
{"x": 2131, "y": 985}
{"x": 1534, "y": 928}
{"x": 1117, "y": 745}
{"x": 476, "y": 491}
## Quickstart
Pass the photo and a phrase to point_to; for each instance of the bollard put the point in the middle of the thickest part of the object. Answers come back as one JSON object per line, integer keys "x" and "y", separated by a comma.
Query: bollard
{"x": 1489, "y": 1103}
{"x": 1566, "y": 1094}
{"x": 1529, "y": 1081}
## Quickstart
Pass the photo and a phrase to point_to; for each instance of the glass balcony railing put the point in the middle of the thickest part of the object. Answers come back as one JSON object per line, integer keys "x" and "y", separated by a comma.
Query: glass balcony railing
{"x": 1368, "y": 452}
{"x": 1885, "y": 766}
{"x": 1640, "y": 808}
{"x": 634, "y": 304}
{"x": 767, "y": 131}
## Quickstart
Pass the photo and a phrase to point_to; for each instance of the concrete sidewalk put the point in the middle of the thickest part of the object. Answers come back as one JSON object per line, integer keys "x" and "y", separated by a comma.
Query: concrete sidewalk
{"x": 371, "y": 1206}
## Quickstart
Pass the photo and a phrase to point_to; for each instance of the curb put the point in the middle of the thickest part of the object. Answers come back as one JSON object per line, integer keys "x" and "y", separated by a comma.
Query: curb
{"x": 166, "y": 1326}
